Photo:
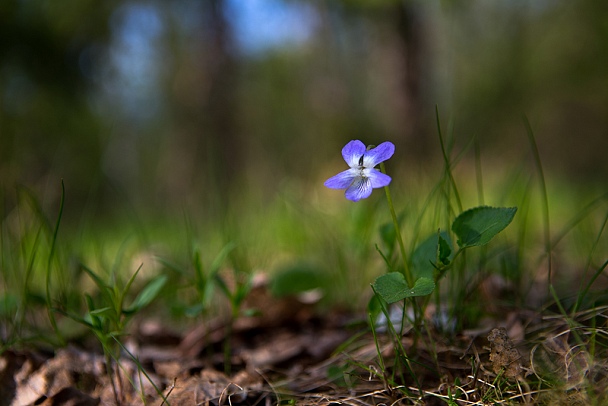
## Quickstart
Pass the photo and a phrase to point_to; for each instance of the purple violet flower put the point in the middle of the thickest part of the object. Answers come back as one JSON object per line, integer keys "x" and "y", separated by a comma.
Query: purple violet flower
{"x": 361, "y": 178}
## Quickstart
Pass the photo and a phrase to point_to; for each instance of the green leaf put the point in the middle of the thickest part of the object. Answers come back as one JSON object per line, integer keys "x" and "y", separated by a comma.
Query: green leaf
{"x": 103, "y": 312}
{"x": 374, "y": 307}
{"x": 9, "y": 305}
{"x": 479, "y": 225}
{"x": 428, "y": 253}
{"x": 199, "y": 270}
{"x": 444, "y": 250}
{"x": 90, "y": 317}
{"x": 297, "y": 278}
{"x": 386, "y": 260}
{"x": 221, "y": 257}
{"x": 173, "y": 266}
{"x": 104, "y": 289}
{"x": 219, "y": 281}
{"x": 130, "y": 282}
{"x": 388, "y": 235}
{"x": 243, "y": 289}
{"x": 392, "y": 287}
{"x": 195, "y": 310}
{"x": 337, "y": 375}
{"x": 251, "y": 313}
{"x": 148, "y": 294}
{"x": 86, "y": 320}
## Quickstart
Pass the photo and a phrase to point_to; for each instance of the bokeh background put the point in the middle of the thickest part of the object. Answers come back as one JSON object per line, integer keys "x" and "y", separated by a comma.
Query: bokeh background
{"x": 160, "y": 107}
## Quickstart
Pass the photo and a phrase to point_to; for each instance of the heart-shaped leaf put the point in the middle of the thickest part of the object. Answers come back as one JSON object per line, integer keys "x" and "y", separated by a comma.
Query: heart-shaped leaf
{"x": 392, "y": 287}
{"x": 479, "y": 225}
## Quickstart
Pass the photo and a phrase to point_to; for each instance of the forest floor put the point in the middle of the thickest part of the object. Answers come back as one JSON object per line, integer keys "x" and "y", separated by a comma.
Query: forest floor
{"x": 292, "y": 355}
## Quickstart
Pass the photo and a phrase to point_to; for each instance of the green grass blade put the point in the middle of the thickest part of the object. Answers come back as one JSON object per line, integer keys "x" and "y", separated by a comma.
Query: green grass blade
{"x": 148, "y": 294}
{"x": 479, "y": 174}
{"x": 127, "y": 288}
{"x": 221, "y": 257}
{"x": 105, "y": 290}
{"x": 142, "y": 370}
{"x": 544, "y": 195}
{"x": 446, "y": 160}
{"x": 583, "y": 293}
{"x": 50, "y": 312}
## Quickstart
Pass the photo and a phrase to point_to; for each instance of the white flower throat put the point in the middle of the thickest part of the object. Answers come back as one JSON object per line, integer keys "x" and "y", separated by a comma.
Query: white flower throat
{"x": 362, "y": 167}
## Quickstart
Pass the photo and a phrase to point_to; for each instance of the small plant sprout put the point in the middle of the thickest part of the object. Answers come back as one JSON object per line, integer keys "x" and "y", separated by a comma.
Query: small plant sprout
{"x": 362, "y": 177}
{"x": 108, "y": 315}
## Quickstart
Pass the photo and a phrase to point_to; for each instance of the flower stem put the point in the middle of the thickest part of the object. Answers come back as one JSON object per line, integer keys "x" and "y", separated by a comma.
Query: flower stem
{"x": 406, "y": 269}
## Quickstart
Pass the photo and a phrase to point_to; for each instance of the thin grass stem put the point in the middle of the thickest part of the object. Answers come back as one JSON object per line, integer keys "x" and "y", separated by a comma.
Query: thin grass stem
{"x": 141, "y": 370}
{"x": 372, "y": 323}
{"x": 478, "y": 173}
{"x": 51, "y": 314}
{"x": 446, "y": 160}
{"x": 583, "y": 293}
{"x": 406, "y": 269}
{"x": 544, "y": 195}
{"x": 581, "y": 214}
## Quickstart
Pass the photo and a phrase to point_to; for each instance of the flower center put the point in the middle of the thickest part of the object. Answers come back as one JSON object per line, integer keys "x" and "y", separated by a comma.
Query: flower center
{"x": 362, "y": 168}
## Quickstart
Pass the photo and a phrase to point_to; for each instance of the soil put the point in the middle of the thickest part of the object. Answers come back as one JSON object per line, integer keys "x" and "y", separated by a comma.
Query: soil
{"x": 290, "y": 355}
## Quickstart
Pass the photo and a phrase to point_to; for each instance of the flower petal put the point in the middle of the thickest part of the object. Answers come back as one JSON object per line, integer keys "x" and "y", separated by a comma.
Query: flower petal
{"x": 378, "y": 179}
{"x": 360, "y": 189}
{"x": 352, "y": 152}
{"x": 379, "y": 154}
{"x": 342, "y": 180}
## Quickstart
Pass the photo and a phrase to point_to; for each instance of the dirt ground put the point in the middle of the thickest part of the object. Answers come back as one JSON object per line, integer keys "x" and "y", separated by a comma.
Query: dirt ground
{"x": 289, "y": 355}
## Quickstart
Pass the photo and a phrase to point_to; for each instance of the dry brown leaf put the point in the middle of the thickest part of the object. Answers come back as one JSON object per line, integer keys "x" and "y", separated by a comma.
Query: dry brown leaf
{"x": 213, "y": 388}
{"x": 282, "y": 347}
{"x": 55, "y": 379}
{"x": 557, "y": 357}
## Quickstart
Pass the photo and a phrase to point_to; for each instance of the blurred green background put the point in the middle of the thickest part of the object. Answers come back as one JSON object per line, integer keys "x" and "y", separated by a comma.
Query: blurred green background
{"x": 161, "y": 107}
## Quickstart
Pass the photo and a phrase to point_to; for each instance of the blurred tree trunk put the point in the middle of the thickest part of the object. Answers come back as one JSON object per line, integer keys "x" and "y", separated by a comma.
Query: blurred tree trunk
{"x": 410, "y": 28}
{"x": 219, "y": 106}
{"x": 204, "y": 156}
{"x": 403, "y": 52}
